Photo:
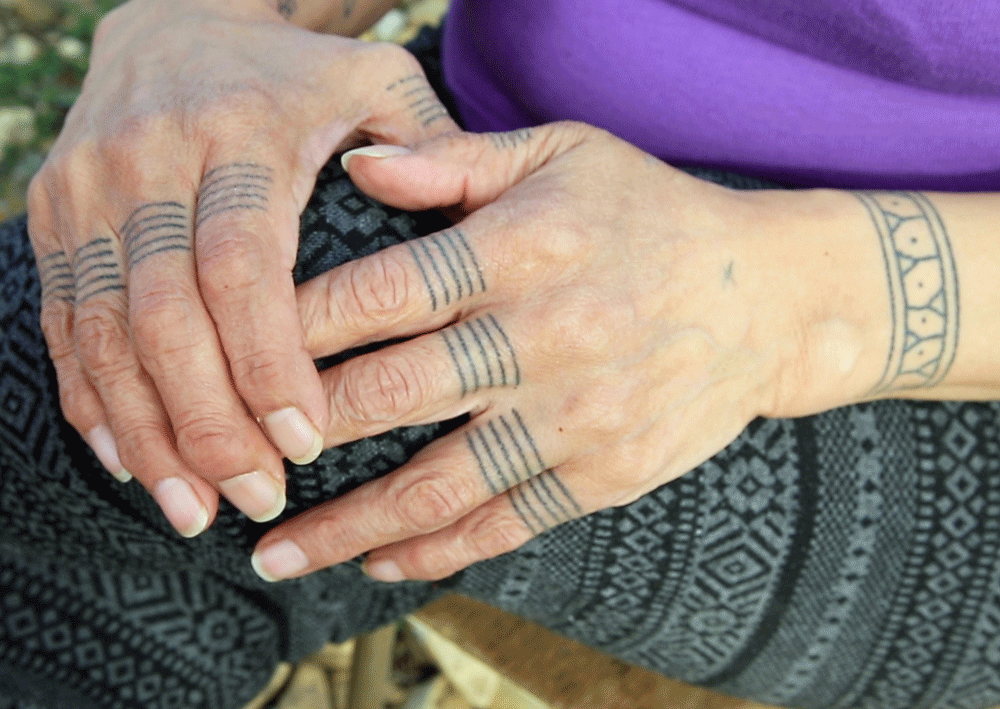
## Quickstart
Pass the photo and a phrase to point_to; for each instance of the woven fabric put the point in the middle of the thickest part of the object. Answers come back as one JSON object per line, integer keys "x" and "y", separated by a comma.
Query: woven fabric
{"x": 849, "y": 559}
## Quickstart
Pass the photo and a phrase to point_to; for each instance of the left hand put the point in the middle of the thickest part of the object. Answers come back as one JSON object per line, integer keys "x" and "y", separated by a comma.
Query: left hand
{"x": 608, "y": 322}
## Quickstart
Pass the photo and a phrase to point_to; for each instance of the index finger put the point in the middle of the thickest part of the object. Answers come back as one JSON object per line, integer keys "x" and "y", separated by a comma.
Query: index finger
{"x": 246, "y": 235}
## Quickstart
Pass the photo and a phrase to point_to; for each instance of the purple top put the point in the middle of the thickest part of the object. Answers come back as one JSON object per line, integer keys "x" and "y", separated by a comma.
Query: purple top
{"x": 844, "y": 93}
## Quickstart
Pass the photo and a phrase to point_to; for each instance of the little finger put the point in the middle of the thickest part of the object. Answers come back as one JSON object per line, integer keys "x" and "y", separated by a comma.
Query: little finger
{"x": 443, "y": 484}
{"x": 137, "y": 420}
{"x": 79, "y": 401}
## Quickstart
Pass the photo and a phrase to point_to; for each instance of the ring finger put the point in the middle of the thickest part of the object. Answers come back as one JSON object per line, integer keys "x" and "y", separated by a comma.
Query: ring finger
{"x": 176, "y": 344}
{"x": 432, "y": 378}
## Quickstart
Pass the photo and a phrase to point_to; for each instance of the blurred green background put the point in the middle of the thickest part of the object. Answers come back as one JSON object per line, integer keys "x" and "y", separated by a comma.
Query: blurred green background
{"x": 43, "y": 57}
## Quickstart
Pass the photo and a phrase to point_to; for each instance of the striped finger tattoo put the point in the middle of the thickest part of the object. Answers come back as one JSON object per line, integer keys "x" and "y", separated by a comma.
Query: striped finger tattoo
{"x": 510, "y": 462}
{"x": 449, "y": 267}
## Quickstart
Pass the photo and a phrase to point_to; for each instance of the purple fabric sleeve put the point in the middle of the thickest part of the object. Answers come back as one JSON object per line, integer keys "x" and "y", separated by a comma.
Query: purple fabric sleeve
{"x": 696, "y": 87}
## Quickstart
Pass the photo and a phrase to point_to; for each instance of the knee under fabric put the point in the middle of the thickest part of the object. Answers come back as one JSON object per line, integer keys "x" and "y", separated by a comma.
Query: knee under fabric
{"x": 848, "y": 559}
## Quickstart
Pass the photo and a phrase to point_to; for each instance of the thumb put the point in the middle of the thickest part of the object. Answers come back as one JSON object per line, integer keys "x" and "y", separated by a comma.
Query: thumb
{"x": 467, "y": 170}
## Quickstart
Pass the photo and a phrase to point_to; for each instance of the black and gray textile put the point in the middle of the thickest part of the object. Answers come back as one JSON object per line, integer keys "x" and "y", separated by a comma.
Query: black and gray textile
{"x": 850, "y": 559}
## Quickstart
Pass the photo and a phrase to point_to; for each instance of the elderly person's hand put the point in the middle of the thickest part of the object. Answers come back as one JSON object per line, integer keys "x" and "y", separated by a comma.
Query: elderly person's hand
{"x": 165, "y": 224}
{"x": 607, "y": 322}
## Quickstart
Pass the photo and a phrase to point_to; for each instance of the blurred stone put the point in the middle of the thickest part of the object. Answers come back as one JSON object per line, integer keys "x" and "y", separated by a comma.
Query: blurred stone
{"x": 17, "y": 125}
{"x": 389, "y": 27}
{"x": 428, "y": 12}
{"x": 70, "y": 48}
{"x": 36, "y": 14}
{"x": 20, "y": 49}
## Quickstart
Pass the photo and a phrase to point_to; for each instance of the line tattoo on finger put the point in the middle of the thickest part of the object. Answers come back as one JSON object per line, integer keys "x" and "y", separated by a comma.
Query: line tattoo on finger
{"x": 96, "y": 270}
{"x": 923, "y": 289}
{"x": 423, "y": 99}
{"x": 449, "y": 267}
{"x": 483, "y": 355}
{"x": 510, "y": 139}
{"x": 238, "y": 185}
{"x": 155, "y": 228}
{"x": 510, "y": 462}
{"x": 56, "y": 276}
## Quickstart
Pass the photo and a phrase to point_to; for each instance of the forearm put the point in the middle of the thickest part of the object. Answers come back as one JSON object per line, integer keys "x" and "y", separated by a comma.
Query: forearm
{"x": 348, "y": 18}
{"x": 897, "y": 294}
{"x": 344, "y": 17}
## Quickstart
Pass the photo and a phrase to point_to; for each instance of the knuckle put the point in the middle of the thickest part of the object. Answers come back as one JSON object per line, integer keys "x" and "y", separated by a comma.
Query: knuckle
{"x": 57, "y": 327}
{"x": 75, "y": 398}
{"x": 37, "y": 193}
{"x": 429, "y": 503}
{"x": 601, "y": 411}
{"x": 161, "y": 320}
{"x": 139, "y": 444}
{"x": 392, "y": 57}
{"x": 102, "y": 341}
{"x": 496, "y": 534}
{"x": 262, "y": 370}
{"x": 378, "y": 291}
{"x": 588, "y": 327}
{"x": 209, "y": 443}
{"x": 432, "y": 562}
{"x": 230, "y": 263}
{"x": 383, "y": 388}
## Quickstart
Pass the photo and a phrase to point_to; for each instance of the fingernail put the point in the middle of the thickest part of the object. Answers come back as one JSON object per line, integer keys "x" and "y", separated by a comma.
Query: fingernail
{"x": 294, "y": 435}
{"x": 102, "y": 443}
{"x": 374, "y": 151}
{"x": 182, "y": 506}
{"x": 279, "y": 561}
{"x": 386, "y": 571}
{"x": 256, "y": 494}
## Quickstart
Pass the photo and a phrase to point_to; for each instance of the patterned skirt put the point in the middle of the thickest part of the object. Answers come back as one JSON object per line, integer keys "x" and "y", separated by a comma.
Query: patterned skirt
{"x": 849, "y": 559}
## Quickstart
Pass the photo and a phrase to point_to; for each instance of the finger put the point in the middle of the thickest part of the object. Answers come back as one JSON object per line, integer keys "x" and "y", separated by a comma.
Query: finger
{"x": 406, "y": 109}
{"x": 467, "y": 169}
{"x": 433, "y": 378}
{"x": 176, "y": 343}
{"x": 246, "y": 241}
{"x": 442, "y": 484}
{"x": 501, "y": 525}
{"x": 402, "y": 290}
{"x": 138, "y": 422}
{"x": 79, "y": 401}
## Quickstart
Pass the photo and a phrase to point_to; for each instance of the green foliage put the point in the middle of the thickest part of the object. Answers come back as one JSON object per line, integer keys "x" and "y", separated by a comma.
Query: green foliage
{"x": 48, "y": 86}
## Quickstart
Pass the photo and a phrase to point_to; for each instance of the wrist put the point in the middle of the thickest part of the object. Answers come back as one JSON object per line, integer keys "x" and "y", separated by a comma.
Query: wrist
{"x": 822, "y": 314}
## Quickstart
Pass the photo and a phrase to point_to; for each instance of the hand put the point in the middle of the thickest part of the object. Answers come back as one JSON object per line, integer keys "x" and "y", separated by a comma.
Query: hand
{"x": 165, "y": 224}
{"x": 607, "y": 322}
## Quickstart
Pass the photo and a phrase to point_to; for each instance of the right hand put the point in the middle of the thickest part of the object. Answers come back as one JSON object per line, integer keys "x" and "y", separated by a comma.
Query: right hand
{"x": 165, "y": 224}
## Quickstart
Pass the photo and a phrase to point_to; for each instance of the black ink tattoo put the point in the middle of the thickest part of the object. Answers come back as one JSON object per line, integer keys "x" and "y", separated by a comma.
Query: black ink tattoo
{"x": 923, "y": 289}
{"x": 238, "y": 185}
{"x": 449, "y": 267}
{"x": 349, "y": 8}
{"x": 155, "y": 228}
{"x": 483, "y": 355}
{"x": 96, "y": 270}
{"x": 287, "y": 8}
{"x": 510, "y": 462}
{"x": 509, "y": 141}
{"x": 56, "y": 276}
{"x": 421, "y": 98}
{"x": 728, "y": 275}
